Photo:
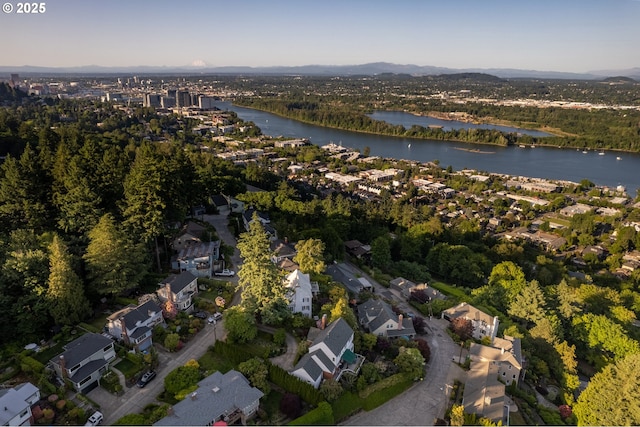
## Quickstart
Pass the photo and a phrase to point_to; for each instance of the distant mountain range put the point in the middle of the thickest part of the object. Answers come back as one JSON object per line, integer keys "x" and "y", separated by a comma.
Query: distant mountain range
{"x": 325, "y": 70}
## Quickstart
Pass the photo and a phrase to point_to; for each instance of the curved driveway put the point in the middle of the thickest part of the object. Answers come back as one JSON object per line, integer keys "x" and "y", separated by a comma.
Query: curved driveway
{"x": 427, "y": 399}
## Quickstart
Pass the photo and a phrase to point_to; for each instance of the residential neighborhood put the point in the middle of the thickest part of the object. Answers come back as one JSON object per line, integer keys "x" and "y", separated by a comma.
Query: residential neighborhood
{"x": 266, "y": 280}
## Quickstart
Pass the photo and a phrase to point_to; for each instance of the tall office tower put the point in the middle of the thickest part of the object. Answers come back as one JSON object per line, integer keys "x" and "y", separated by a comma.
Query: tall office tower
{"x": 183, "y": 99}
{"x": 206, "y": 102}
{"x": 15, "y": 80}
{"x": 168, "y": 102}
{"x": 171, "y": 93}
{"x": 151, "y": 100}
{"x": 194, "y": 98}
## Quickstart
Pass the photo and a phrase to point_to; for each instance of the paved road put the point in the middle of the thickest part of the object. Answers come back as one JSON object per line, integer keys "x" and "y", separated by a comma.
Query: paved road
{"x": 427, "y": 399}
{"x": 135, "y": 399}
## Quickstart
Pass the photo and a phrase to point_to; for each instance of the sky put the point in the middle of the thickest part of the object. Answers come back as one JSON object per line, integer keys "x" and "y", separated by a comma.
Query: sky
{"x": 546, "y": 35}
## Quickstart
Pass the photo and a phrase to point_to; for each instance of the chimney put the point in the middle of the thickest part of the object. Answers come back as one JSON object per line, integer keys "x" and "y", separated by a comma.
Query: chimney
{"x": 400, "y": 321}
{"x": 324, "y": 321}
{"x": 63, "y": 366}
{"x": 502, "y": 350}
{"x": 170, "y": 410}
{"x": 124, "y": 334}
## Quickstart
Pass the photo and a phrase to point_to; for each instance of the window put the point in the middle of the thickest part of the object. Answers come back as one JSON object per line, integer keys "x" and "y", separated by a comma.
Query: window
{"x": 509, "y": 367}
{"x": 504, "y": 374}
{"x": 108, "y": 348}
{"x": 514, "y": 376}
{"x": 84, "y": 381}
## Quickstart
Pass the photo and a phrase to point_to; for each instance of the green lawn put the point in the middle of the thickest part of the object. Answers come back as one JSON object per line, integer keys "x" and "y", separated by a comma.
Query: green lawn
{"x": 128, "y": 368}
{"x": 212, "y": 362}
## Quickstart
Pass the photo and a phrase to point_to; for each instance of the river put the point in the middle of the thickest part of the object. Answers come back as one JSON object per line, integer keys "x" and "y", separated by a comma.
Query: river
{"x": 540, "y": 162}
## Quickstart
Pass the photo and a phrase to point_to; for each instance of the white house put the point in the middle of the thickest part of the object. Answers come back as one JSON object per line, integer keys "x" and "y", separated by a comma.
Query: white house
{"x": 483, "y": 324}
{"x": 179, "y": 290}
{"x": 84, "y": 361}
{"x": 330, "y": 351}
{"x": 300, "y": 292}
{"x": 134, "y": 325}
{"x": 17, "y": 403}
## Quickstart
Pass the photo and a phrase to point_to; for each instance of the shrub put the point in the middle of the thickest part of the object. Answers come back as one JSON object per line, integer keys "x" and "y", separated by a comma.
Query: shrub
{"x": 171, "y": 342}
{"x": 280, "y": 337}
{"x": 30, "y": 365}
{"x": 291, "y": 405}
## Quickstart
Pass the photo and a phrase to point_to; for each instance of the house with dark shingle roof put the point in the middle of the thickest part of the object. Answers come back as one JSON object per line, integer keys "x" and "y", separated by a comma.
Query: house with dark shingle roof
{"x": 199, "y": 259}
{"x": 330, "y": 351}
{"x": 190, "y": 235}
{"x": 134, "y": 325}
{"x": 219, "y": 397}
{"x": 247, "y": 219}
{"x": 84, "y": 361}
{"x": 179, "y": 289}
{"x": 281, "y": 250}
{"x": 378, "y": 318}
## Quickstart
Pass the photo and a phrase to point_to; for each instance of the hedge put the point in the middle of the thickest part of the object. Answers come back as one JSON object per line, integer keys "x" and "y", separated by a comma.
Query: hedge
{"x": 320, "y": 416}
{"x": 380, "y": 392}
{"x": 294, "y": 385}
{"x": 347, "y": 404}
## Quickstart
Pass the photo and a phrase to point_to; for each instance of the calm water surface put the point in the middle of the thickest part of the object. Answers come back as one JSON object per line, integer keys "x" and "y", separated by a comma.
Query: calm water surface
{"x": 540, "y": 162}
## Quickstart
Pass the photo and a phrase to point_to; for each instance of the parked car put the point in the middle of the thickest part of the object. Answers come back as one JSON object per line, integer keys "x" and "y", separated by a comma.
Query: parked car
{"x": 214, "y": 318}
{"x": 146, "y": 378}
{"x": 225, "y": 272}
{"x": 201, "y": 314}
{"x": 94, "y": 419}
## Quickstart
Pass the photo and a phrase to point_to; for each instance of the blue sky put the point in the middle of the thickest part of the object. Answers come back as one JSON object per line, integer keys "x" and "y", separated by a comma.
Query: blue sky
{"x": 572, "y": 35}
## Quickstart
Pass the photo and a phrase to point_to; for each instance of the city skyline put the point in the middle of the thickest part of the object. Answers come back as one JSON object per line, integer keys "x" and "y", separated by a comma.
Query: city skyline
{"x": 566, "y": 36}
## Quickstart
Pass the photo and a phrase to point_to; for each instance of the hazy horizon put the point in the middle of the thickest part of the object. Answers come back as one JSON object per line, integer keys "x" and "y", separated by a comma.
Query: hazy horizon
{"x": 565, "y": 36}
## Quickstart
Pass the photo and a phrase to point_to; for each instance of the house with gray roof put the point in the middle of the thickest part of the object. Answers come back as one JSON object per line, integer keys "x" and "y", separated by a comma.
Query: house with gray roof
{"x": 247, "y": 219}
{"x": 219, "y": 397}
{"x": 282, "y": 249}
{"x": 378, "y": 318}
{"x": 134, "y": 325}
{"x": 17, "y": 403}
{"x": 199, "y": 259}
{"x": 84, "y": 361}
{"x": 179, "y": 289}
{"x": 330, "y": 353}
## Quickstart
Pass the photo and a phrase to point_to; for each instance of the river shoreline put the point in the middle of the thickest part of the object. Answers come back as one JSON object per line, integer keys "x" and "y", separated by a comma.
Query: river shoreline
{"x": 538, "y": 143}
